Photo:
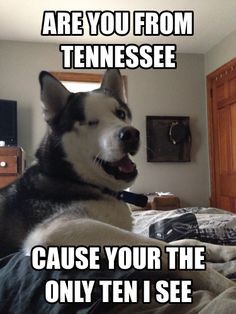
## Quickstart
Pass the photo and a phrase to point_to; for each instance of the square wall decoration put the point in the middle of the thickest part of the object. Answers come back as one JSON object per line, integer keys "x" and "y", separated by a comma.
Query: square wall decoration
{"x": 168, "y": 139}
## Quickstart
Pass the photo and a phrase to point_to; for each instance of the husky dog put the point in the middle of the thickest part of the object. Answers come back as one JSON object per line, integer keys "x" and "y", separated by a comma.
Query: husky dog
{"x": 68, "y": 197}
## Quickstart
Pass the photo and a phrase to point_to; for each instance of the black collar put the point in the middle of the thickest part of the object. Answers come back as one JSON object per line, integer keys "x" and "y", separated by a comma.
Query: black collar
{"x": 139, "y": 200}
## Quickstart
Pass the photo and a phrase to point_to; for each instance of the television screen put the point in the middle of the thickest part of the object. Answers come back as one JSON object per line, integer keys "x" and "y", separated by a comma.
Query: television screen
{"x": 8, "y": 122}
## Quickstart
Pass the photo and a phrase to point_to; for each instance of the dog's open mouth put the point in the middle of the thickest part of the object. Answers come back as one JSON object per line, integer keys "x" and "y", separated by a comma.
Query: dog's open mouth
{"x": 123, "y": 169}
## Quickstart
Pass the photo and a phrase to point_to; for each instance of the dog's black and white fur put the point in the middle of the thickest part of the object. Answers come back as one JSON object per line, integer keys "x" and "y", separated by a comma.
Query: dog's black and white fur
{"x": 66, "y": 197}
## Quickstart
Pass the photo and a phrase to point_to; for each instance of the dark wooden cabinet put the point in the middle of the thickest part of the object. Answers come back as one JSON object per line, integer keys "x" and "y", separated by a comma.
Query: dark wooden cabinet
{"x": 12, "y": 164}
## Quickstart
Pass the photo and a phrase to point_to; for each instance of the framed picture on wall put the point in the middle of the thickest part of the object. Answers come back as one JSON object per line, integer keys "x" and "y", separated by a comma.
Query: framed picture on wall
{"x": 168, "y": 139}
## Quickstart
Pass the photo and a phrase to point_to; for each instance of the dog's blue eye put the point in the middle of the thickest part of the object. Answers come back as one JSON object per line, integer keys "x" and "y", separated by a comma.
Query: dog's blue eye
{"x": 120, "y": 114}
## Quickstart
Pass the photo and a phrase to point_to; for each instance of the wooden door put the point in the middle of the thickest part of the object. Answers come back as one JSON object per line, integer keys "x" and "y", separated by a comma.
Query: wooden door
{"x": 221, "y": 86}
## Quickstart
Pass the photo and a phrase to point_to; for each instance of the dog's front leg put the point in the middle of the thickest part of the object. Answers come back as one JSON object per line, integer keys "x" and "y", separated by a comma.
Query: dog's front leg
{"x": 64, "y": 232}
{"x": 87, "y": 232}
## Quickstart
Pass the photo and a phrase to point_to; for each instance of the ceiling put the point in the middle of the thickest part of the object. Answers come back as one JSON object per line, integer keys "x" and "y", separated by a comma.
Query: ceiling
{"x": 213, "y": 21}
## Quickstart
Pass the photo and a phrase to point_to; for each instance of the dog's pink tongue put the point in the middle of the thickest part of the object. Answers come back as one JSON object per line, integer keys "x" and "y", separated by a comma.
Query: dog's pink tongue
{"x": 126, "y": 165}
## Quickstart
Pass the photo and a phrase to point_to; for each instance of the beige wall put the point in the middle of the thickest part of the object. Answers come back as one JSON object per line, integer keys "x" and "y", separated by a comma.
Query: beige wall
{"x": 151, "y": 92}
{"x": 221, "y": 53}
{"x": 177, "y": 92}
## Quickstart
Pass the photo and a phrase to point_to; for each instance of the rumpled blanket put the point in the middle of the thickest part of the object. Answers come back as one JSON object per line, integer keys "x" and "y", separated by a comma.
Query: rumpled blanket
{"x": 215, "y": 226}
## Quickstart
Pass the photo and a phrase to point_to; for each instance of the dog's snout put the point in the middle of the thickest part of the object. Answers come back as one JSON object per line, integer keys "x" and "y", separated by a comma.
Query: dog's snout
{"x": 129, "y": 137}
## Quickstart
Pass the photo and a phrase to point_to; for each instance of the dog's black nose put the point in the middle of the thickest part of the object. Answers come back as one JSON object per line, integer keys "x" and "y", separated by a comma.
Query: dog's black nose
{"x": 129, "y": 136}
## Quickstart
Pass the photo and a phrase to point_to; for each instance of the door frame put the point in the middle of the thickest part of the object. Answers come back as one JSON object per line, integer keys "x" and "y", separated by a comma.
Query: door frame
{"x": 224, "y": 69}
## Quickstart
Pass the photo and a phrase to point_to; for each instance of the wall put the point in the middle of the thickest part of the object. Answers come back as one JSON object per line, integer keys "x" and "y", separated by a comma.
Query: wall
{"x": 177, "y": 92}
{"x": 151, "y": 92}
{"x": 221, "y": 53}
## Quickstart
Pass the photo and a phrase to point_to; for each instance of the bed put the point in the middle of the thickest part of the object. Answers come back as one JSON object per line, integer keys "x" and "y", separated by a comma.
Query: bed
{"x": 22, "y": 288}
{"x": 214, "y": 226}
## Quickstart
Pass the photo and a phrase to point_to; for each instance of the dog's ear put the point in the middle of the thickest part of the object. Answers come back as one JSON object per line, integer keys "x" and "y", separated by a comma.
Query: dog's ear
{"x": 54, "y": 95}
{"x": 113, "y": 82}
